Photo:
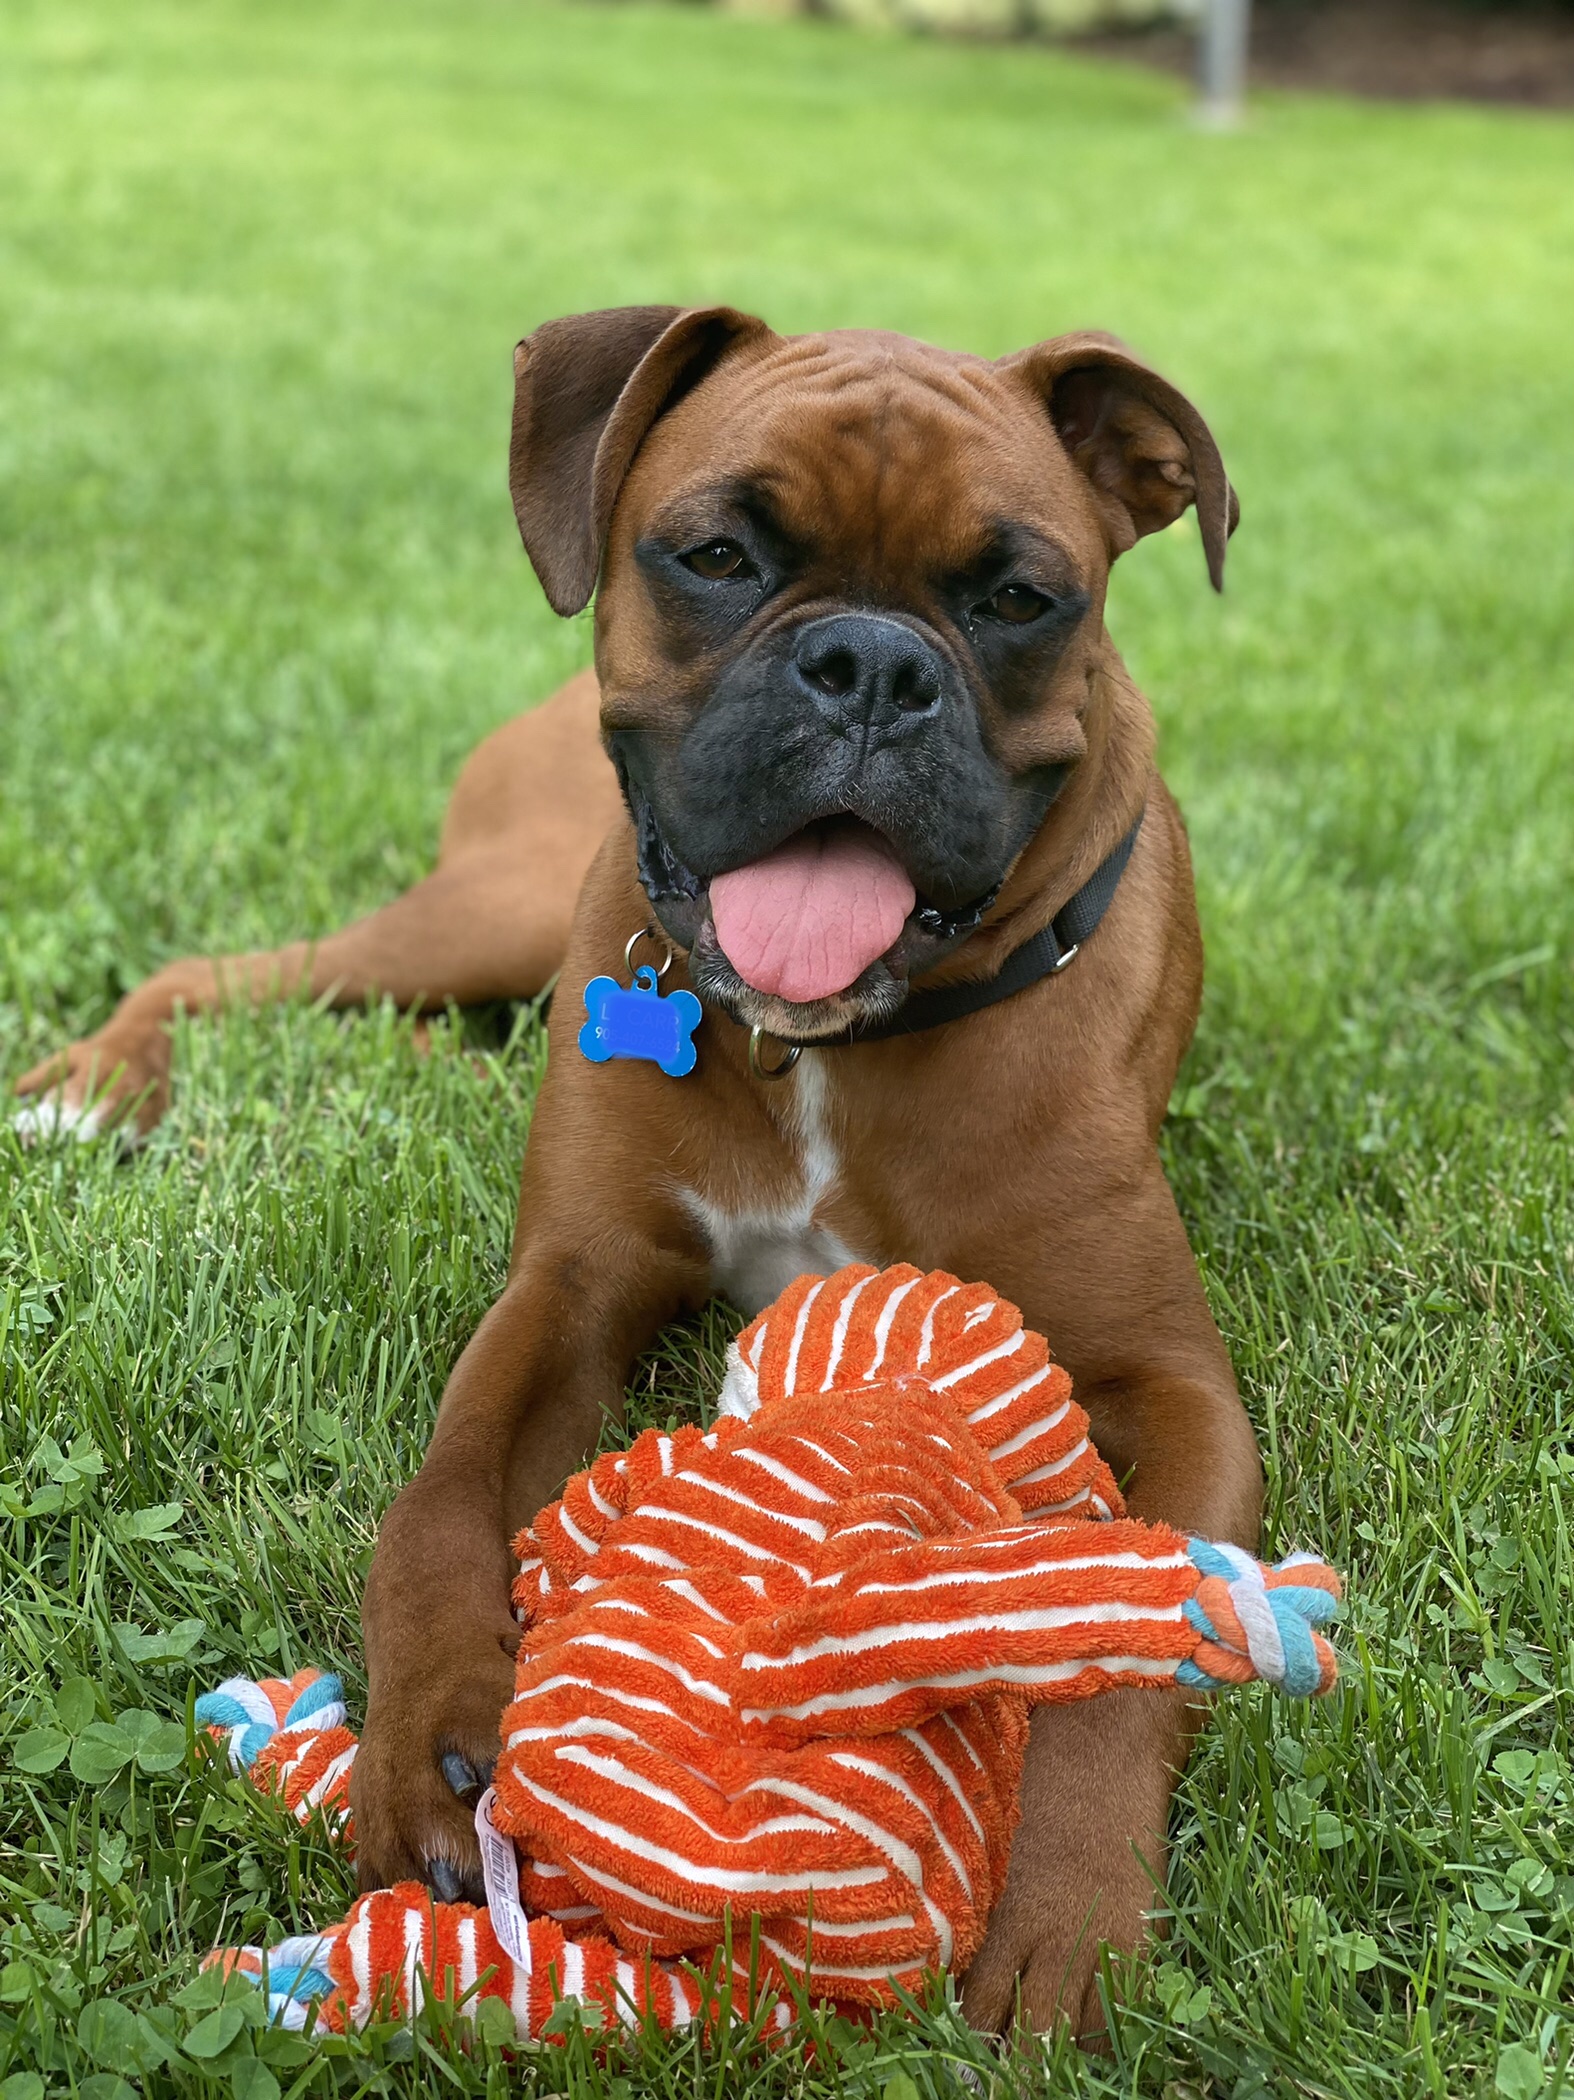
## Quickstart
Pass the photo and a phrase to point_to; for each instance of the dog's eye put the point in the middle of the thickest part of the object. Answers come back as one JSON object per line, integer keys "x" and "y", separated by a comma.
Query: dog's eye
{"x": 718, "y": 559}
{"x": 1015, "y": 603}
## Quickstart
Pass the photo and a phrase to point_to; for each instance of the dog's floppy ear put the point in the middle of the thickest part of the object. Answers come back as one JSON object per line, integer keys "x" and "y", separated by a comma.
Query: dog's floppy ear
{"x": 1139, "y": 442}
{"x": 586, "y": 390}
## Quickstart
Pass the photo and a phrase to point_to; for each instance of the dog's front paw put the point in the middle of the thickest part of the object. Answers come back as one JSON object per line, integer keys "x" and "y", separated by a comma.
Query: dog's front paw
{"x": 50, "y": 1118}
{"x": 1040, "y": 1961}
{"x": 1087, "y": 1863}
{"x": 417, "y": 1777}
{"x": 440, "y": 1652}
{"x": 95, "y": 1087}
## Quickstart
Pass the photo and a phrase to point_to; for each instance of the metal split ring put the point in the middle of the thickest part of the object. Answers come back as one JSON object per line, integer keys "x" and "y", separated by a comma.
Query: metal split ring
{"x": 648, "y": 933}
{"x": 759, "y": 1069}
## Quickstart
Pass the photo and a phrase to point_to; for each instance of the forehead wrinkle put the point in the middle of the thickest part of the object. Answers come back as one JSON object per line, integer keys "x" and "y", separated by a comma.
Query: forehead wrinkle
{"x": 860, "y": 378}
{"x": 960, "y": 387}
{"x": 800, "y": 368}
{"x": 894, "y": 476}
{"x": 887, "y": 456}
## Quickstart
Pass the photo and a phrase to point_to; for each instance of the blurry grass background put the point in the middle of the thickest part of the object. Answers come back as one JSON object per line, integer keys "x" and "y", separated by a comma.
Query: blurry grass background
{"x": 263, "y": 264}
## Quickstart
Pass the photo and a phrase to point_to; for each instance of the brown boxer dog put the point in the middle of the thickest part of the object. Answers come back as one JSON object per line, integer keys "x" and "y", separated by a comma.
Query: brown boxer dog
{"x": 867, "y": 732}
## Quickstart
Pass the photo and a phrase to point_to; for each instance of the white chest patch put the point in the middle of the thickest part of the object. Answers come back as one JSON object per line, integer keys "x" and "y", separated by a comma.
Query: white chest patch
{"x": 756, "y": 1249}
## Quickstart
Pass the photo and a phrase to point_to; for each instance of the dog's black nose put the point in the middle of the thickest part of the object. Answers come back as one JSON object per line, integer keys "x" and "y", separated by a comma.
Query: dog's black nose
{"x": 868, "y": 673}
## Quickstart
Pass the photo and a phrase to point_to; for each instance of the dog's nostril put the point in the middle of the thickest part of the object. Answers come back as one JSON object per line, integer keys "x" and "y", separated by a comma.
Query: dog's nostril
{"x": 836, "y": 674}
{"x": 912, "y": 688}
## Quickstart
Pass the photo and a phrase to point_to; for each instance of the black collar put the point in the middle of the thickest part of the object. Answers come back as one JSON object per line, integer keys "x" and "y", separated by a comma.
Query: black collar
{"x": 1044, "y": 955}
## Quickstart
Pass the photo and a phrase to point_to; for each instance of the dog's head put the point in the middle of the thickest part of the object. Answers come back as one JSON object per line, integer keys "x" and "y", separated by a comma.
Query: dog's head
{"x": 851, "y": 600}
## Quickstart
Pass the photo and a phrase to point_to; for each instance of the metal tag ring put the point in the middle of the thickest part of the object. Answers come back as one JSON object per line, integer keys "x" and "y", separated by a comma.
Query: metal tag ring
{"x": 648, "y": 933}
{"x": 761, "y": 1070}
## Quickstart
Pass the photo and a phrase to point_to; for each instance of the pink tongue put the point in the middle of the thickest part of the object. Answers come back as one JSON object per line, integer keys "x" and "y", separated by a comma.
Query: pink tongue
{"x": 807, "y": 919}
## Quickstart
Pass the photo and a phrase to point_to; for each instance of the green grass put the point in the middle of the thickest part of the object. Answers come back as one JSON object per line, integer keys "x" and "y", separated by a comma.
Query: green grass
{"x": 263, "y": 265}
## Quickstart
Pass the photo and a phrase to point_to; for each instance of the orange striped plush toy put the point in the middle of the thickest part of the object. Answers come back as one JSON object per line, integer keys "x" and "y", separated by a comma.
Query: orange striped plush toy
{"x": 781, "y": 1671}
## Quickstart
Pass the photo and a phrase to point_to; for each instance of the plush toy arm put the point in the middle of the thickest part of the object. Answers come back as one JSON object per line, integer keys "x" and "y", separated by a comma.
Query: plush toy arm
{"x": 289, "y": 1734}
{"x": 1057, "y": 1613}
{"x": 398, "y": 1947}
{"x": 1257, "y": 1621}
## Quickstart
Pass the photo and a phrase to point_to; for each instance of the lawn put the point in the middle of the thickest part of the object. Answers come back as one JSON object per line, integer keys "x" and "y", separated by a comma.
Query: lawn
{"x": 263, "y": 264}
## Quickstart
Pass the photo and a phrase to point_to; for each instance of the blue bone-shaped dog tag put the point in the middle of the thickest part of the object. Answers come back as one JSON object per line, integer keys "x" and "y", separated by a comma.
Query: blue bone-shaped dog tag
{"x": 636, "y": 1021}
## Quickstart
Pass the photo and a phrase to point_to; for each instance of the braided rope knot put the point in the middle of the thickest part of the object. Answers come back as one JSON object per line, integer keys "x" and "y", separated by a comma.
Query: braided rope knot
{"x": 293, "y": 1974}
{"x": 288, "y": 1733}
{"x": 1257, "y": 1621}
{"x": 247, "y": 1713}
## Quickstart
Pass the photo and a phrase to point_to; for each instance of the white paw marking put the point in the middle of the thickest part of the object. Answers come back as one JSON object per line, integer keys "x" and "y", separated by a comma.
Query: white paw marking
{"x": 53, "y": 1118}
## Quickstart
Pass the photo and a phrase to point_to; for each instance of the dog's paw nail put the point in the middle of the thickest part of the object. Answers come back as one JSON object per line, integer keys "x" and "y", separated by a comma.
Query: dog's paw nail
{"x": 442, "y": 1873}
{"x": 463, "y": 1778}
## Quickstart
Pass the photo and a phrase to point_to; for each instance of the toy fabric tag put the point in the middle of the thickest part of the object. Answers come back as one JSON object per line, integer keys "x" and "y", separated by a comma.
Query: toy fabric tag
{"x": 500, "y": 1871}
{"x": 637, "y": 1021}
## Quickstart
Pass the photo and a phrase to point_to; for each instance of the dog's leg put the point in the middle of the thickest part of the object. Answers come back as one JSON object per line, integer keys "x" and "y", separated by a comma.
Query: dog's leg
{"x": 604, "y": 1255}
{"x": 1089, "y": 1857}
{"x": 465, "y": 934}
{"x": 522, "y": 1410}
{"x": 1088, "y": 1860}
{"x": 530, "y": 808}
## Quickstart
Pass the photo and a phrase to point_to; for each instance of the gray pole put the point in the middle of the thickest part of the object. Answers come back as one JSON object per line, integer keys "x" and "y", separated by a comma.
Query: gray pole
{"x": 1226, "y": 30}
